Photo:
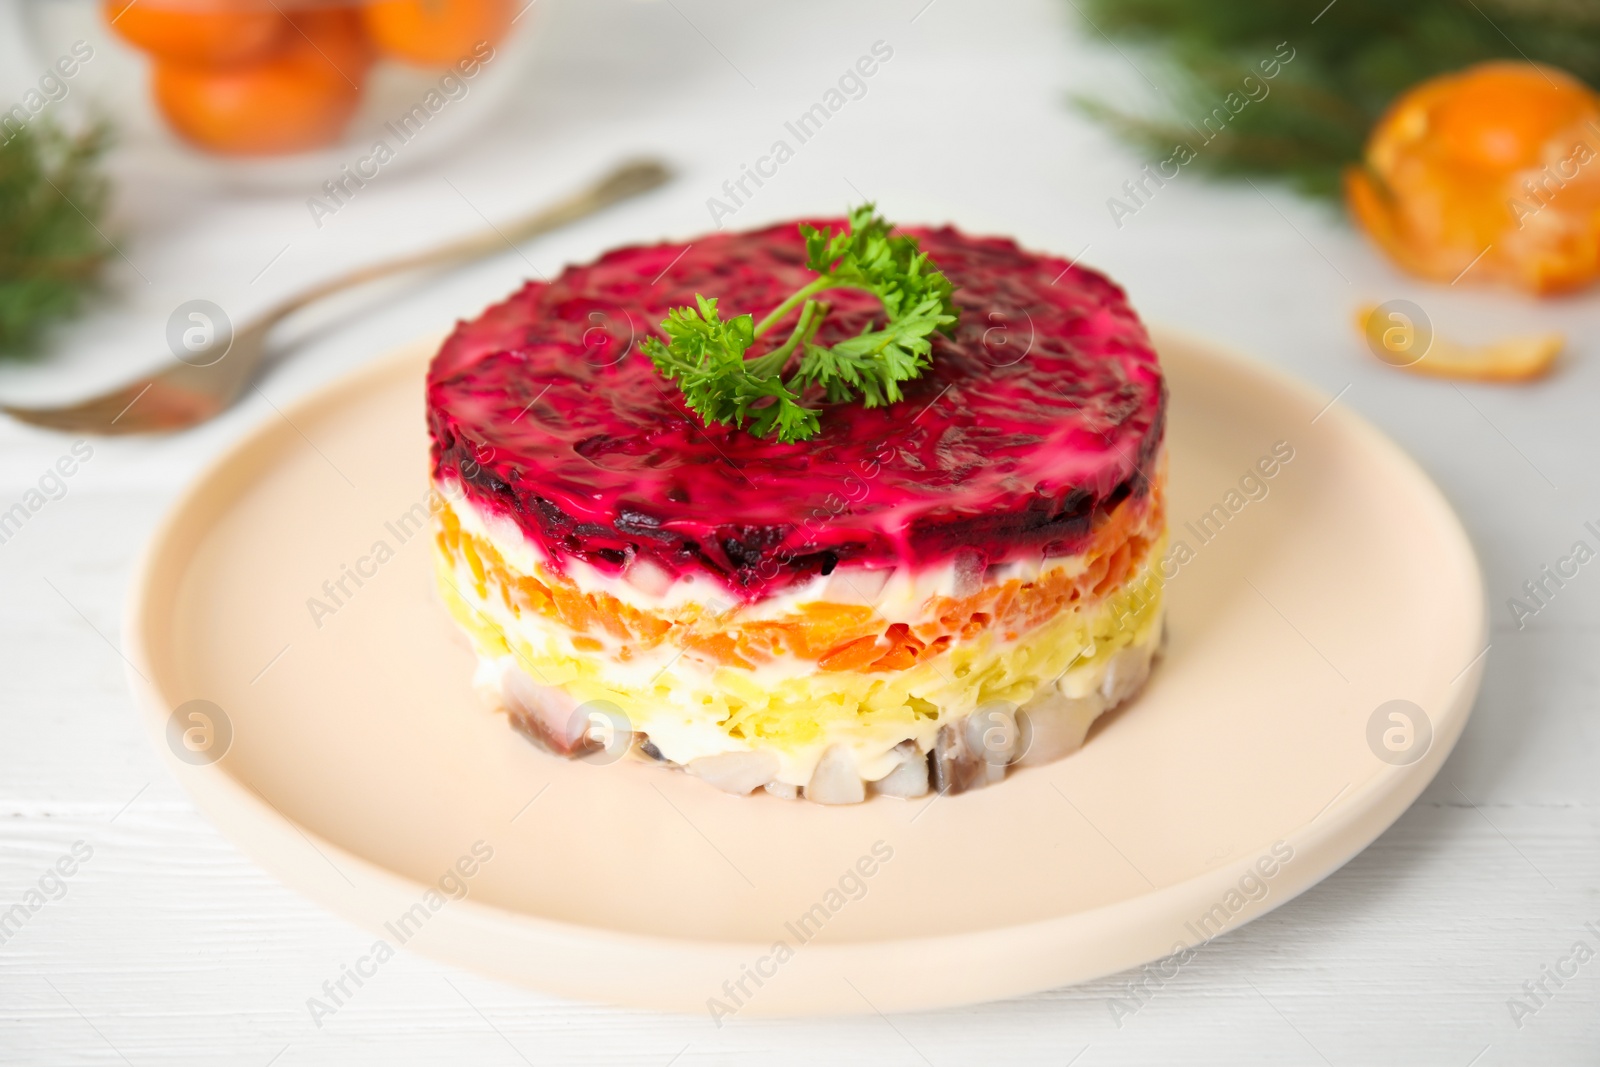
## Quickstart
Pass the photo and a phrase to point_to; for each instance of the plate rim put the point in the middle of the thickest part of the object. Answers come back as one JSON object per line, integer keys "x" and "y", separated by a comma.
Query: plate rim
{"x": 256, "y": 827}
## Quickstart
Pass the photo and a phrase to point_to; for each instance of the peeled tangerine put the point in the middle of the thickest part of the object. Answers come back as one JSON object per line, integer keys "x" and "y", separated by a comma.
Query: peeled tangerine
{"x": 1490, "y": 173}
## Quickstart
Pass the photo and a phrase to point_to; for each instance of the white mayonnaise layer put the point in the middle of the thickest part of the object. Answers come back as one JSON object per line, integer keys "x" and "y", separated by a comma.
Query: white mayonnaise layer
{"x": 897, "y": 594}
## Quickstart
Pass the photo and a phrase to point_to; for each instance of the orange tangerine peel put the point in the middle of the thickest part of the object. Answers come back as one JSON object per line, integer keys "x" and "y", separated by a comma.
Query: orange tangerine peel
{"x": 1512, "y": 359}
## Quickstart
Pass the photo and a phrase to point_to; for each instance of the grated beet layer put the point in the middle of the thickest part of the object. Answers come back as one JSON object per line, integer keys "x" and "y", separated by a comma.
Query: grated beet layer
{"x": 1043, "y": 411}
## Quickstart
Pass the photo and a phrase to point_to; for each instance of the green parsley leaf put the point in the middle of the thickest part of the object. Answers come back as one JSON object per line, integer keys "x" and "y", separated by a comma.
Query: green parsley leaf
{"x": 707, "y": 355}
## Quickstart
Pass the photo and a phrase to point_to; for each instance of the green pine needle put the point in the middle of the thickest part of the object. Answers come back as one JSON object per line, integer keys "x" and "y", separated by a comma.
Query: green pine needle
{"x": 706, "y": 355}
{"x": 50, "y": 252}
{"x": 1347, "y": 69}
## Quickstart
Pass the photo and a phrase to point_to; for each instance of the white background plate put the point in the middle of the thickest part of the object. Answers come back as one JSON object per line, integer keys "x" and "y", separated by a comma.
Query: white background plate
{"x": 361, "y": 767}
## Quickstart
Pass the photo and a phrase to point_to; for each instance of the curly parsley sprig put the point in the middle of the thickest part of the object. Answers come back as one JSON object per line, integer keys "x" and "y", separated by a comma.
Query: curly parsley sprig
{"x": 706, "y": 354}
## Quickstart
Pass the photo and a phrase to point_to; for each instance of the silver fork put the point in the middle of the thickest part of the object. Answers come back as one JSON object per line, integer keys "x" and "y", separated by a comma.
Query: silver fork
{"x": 192, "y": 392}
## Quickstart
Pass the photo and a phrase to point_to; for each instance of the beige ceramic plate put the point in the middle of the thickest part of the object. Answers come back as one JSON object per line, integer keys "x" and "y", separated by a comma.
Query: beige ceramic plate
{"x": 357, "y": 765}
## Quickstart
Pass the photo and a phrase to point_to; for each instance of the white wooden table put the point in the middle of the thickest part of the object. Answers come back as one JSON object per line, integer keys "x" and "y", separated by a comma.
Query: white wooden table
{"x": 167, "y": 946}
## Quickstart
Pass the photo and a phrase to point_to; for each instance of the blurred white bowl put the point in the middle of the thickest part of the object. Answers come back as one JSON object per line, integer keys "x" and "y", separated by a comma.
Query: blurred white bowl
{"x": 115, "y": 81}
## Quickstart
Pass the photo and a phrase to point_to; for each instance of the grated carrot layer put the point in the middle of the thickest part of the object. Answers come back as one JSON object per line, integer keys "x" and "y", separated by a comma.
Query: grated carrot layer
{"x": 837, "y": 637}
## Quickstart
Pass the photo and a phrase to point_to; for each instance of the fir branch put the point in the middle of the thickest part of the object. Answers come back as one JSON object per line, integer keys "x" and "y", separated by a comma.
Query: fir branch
{"x": 1347, "y": 69}
{"x": 51, "y": 190}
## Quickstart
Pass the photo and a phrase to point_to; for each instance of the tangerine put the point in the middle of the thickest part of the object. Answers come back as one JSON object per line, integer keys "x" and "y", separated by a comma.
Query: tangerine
{"x": 298, "y": 98}
{"x": 217, "y": 35}
{"x": 1489, "y": 172}
{"x": 436, "y": 33}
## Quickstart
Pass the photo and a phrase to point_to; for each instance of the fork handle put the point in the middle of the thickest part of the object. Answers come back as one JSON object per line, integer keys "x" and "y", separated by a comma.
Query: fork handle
{"x": 626, "y": 181}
